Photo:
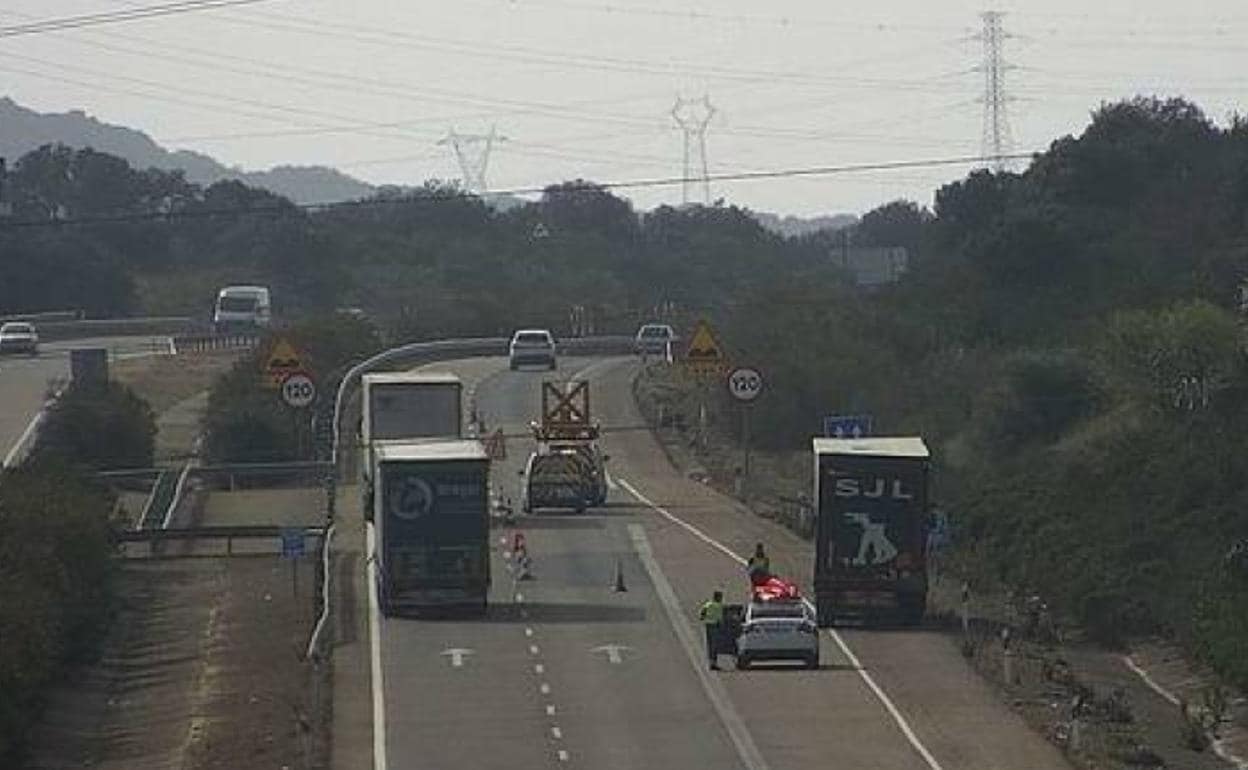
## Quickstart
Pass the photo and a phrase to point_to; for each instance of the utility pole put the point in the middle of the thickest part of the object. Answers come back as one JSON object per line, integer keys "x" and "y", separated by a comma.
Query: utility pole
{"x": 693, "y": 116}
{"x": 997, "y": 141}
{"x": 472, "y": 152}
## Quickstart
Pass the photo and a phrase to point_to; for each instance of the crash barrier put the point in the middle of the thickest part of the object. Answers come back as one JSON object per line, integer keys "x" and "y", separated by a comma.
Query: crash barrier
{"x": 269, "y": 538}
{"x": 50, "y": 316}
{"x": 260, "y": 475}
{"x": 410, "y": 355}
{"x": 204, "y": 343}
{"x": 115, "y": 327}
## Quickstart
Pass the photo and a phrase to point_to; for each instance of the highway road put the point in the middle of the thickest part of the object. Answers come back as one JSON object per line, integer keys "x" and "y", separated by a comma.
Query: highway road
{"x": 564, "y": 671}
{"x": 24, "y": 381}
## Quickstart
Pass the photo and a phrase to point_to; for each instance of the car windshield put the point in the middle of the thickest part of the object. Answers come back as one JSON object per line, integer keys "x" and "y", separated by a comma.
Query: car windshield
{"x": 17, "y": 328}
{"x": 238, "y": 304}
{"x": 655, "y": 331}
{"x": 532, "y": 338}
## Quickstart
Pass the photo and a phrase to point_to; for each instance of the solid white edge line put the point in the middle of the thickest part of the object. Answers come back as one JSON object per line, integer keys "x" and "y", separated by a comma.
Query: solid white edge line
{"x": 11, "y": 458}
{"x": 1219, "y": 747}
{"x": 733, "y": 724}
{"x": 374, "y": 631}
{"x": 867, "y": 679}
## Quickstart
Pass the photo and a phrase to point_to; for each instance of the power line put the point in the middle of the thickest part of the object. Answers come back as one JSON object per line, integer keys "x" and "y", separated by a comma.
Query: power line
{"x": 287, "y": 208}
{"x": 115, "y": 17}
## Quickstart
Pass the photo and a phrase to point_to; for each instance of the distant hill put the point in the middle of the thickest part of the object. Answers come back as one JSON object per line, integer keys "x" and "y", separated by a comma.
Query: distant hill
{"x": 791, "y": 225}
{"x": 23, "y": 130}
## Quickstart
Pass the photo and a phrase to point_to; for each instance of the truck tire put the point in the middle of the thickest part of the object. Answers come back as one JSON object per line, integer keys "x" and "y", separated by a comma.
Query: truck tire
{"x": 812, "y": 662}
{"x": 513, "y": 365}
{"x": 825, "y": 610}
{"x": 743, "y": 662}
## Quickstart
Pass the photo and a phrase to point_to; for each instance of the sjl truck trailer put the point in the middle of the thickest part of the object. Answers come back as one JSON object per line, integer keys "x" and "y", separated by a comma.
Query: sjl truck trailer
{"x": 871, "y": 528}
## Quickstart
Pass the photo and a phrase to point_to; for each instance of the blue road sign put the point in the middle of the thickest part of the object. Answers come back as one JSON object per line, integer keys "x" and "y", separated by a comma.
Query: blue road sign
{"x": 847, "y": 426}
{"x": 292, "y": 543}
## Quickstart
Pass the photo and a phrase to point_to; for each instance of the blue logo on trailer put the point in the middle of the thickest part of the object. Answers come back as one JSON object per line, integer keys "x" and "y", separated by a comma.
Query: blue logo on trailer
{"x": 292, "y": 543}
{"x": 847, "y": 426}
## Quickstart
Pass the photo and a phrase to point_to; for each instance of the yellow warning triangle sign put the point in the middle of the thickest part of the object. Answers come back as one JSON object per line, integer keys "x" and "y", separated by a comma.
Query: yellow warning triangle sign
{"x": 282, "y": 361}
{"x": 703, "y": 347}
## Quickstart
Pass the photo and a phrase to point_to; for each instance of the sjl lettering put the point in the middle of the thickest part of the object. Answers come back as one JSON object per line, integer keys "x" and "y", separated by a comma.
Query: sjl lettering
{"x": 872, "y": 488}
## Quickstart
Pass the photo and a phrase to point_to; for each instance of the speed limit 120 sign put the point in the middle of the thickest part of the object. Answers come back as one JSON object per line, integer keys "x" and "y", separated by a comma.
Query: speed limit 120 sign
{"x": 298, "y": 390}
{"x": 745, "y": 384}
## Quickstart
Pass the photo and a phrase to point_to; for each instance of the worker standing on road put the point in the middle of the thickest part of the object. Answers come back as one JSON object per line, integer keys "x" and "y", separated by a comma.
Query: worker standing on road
{"x": 712, "y": 617}
{"x": 759, "y": 566}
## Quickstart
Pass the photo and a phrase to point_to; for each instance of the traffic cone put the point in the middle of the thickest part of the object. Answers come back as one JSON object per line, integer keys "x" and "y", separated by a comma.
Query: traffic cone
{"x": 619, "y": 577}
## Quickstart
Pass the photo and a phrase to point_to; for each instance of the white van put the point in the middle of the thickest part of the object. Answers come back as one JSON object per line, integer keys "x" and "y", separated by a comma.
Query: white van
{"x": 242, "y": 307}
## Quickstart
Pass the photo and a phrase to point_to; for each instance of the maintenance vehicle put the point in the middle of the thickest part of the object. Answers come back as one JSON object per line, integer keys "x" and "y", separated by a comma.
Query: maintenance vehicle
{"x": 567, "y": 469}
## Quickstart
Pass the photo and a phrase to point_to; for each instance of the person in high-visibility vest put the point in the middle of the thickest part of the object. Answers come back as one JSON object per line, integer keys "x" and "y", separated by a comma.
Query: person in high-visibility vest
{"x": 759, "y": 566}
{"x": 712, "y": 617}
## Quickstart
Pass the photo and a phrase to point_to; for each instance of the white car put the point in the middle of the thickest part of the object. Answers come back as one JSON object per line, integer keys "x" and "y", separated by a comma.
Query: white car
{"x": 19, "y": 337}
{"x": 532, "y": 346}
{"x": 779, "y": 629}
{"x": 654, "y": 339}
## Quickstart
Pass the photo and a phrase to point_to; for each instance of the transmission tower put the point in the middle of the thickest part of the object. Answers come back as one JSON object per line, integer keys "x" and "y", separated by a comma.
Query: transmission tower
{"x": 997, "y": 142}
{"x": 693, "y": 116}
{"x": 472, "y": 152}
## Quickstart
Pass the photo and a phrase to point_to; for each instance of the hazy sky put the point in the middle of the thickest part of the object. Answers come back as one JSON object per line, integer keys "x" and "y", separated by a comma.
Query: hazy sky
{"x": 584, "y": 88}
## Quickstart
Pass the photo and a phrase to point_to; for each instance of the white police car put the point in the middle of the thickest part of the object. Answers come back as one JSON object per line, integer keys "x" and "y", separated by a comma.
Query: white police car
{"x": 778, "y": 629}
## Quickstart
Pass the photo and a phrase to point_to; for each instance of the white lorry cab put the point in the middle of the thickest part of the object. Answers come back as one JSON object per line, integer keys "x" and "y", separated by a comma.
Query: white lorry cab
{"x": 242, "y": 307}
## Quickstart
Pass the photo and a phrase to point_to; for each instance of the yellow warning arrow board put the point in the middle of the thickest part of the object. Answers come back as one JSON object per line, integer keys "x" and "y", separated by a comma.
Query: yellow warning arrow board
{"x": 283, "y": 360}
{"x": 705, "y": 357}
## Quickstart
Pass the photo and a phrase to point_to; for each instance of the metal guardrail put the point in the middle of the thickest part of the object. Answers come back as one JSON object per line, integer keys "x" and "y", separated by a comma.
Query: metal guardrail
{"x": 156, "y": 538}
{"x": 203, "y": 343}
{"x": 247, "y": 532}
{"x": 115, "y": 327}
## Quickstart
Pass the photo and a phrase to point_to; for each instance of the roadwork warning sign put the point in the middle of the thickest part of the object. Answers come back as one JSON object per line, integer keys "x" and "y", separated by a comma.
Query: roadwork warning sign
{"x": 283, "y": 361}
{"x": 705, "y": 356}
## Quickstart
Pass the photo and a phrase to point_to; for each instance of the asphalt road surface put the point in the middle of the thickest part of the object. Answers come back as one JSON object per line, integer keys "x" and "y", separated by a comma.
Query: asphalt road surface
{"x": 565, "y": 671}
{"x": 24, "y": 380}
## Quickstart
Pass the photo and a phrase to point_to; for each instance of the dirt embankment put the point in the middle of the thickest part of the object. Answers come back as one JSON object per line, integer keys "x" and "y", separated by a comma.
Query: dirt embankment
{"x": 1087, "y": 700}
{"x": 203, "y": 667}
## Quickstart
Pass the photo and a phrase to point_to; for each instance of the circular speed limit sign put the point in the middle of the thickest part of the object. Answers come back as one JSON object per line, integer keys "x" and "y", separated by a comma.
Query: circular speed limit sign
{"x": 298, "y": 390}
{"x": 745, "y": 384}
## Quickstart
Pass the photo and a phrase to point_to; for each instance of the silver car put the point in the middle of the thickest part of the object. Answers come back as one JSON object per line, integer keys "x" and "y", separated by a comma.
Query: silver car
{"x": 778, "y": 630}
{"x": 19, "y": 337}
{"x": 654, "y": 339}
{"x": 532, "y": 346}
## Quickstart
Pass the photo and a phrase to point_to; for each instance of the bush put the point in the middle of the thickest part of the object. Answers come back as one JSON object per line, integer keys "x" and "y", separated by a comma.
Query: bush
{"x": 101, "y": 426}
{"x": 246, "y": 422}
{"x": 56, "y": 586}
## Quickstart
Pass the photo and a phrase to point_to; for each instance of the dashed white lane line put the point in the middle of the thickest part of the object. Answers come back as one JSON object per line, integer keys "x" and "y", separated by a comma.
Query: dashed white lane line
{"x": 556, "y": 733}
{"x": 533, "y": 650}
{"x": 563, "y": 755}
{"x": 528, "y": 631}
{"x": 545, "y": 688}
{"x": 867, "y": 679}
{"x": 538, "y": 668}
{"x": 519, "y": 598}
{"x": 550, "y": 710}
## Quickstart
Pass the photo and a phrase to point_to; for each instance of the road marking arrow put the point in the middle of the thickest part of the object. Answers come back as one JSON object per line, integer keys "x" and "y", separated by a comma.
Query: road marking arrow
{"x": 457, "y": 655}
{"x": 613, "y": 652}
